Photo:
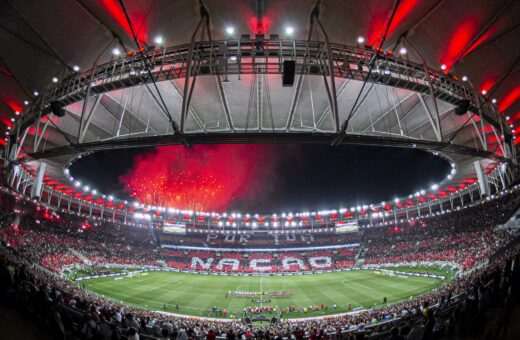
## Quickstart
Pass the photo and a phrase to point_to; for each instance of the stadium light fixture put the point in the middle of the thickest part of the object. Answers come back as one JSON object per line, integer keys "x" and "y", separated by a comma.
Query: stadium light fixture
{"x": 110, "y": 197}
{"x": 54, "y": 79}
{"x": 494, "y": 100}
{"x": 26, "y": 102}
{"x": 361, "y": 39}
{"x": 484, "y": 92}
{"x": 289, "y": 30}
{"x": 75, "y": 68}
{"x": 36, "y": 93}
{"x": 12, "y": 119}
{"x": 230, "y": 30}
{"x": 443, "y": 67}
{"x": 403, "y": 50}
{"x": 464, "y": 78}
{"x": 158, "y": 40}
{"x": 116, "y": 51}
{"x": 77, "y": 184}
{"x": 435, "y": 187}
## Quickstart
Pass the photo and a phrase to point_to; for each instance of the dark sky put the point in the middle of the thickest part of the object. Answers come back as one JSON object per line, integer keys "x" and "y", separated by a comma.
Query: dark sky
{"x": 306, "y": 177}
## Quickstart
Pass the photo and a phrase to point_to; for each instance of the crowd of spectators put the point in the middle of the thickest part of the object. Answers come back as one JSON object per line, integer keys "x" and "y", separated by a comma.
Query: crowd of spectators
{"x": 271, "y": 262}
{"x": 56, "y": 241}
{"x": 298, "y": 238}
{"x": 464, "y": 237}
{"x": 68, "y": 310}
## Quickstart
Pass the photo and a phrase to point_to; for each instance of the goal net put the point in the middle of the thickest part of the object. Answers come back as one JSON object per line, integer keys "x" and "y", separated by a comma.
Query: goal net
{"x": 133, "y": 274}
{"x": 386, "y": 272}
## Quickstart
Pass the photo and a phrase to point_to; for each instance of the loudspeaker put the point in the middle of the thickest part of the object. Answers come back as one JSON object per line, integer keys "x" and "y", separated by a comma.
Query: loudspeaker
{"x": 57, "y": 109}
{"x": 289, "y": 68}
{"x": 205, "y": 69}
{"x": 314, "y": 69}
{"x": 462, "y": 107}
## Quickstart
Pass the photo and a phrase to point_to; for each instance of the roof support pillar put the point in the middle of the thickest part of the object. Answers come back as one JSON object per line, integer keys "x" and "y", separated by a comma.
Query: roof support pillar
{"x": 482, "y": 179}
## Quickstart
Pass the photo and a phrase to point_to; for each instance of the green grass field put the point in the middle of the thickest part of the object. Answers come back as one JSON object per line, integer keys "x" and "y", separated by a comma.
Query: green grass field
{"x": 195, "y": 293}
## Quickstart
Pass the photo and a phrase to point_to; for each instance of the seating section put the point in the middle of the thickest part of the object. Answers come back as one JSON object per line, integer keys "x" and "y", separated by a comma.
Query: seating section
{"x": 71, "y": 240}
{"x": 243, "y": 262}
{"x": 465, "y": 237}
{"x": 260, "y": 240}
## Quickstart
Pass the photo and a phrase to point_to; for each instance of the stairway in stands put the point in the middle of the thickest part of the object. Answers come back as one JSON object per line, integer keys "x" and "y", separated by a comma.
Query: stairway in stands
{"x": 360, "y": 252}
{"x": 513, "y": 222}
{"x": 78, "y": 254}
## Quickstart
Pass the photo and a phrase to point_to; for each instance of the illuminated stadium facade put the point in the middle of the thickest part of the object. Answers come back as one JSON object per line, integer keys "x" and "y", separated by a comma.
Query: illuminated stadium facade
{"x": 267, "y": 80}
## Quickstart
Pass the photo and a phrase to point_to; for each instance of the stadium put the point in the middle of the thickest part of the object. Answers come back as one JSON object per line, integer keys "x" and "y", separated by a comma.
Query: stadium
{"x": 311, "y": 169}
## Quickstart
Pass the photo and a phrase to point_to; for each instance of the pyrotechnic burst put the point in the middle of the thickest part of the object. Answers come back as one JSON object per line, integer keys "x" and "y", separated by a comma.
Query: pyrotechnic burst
{"x": 199, "y": 178}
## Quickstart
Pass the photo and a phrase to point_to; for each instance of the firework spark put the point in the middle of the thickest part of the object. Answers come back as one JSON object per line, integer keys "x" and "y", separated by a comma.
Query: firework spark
{"x": 199, "y": 178}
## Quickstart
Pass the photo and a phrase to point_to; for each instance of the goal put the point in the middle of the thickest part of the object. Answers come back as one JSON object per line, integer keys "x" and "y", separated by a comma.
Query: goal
{"x": 133, "y": 274}
{"x": 386, "y": 272}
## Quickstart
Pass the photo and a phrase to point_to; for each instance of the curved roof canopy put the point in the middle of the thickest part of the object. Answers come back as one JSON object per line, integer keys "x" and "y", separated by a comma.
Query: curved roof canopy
{"x": 367, "y": 72}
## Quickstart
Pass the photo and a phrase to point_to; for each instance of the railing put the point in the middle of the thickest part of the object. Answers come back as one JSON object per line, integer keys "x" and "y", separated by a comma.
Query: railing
{"x": 258, "y": 57}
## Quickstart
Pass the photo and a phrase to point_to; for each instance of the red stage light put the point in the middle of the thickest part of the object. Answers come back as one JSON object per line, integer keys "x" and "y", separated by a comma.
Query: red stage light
{"x": 259, "y": 26}
{"x": 509, "y": 99}
{"x": 380, "y": 21}
{"x": 461, "y": 37}
{"x": 137, "y": 18}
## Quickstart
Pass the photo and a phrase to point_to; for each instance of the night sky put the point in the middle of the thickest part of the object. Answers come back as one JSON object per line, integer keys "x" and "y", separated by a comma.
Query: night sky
{"x": 302, "y": 177}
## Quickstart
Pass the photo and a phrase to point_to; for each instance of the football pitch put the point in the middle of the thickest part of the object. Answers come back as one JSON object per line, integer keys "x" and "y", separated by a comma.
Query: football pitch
{"x": 195, "y": 294}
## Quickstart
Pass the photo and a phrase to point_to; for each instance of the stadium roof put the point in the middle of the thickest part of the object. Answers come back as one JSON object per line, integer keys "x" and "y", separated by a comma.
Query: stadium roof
{"x": 473, "y": 39}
